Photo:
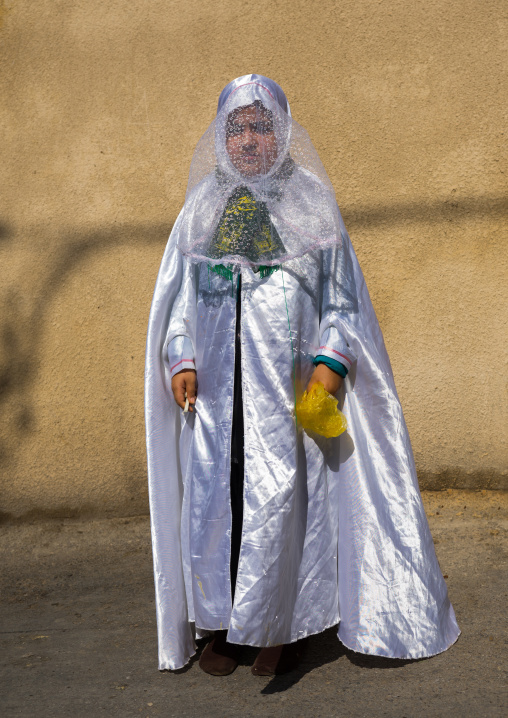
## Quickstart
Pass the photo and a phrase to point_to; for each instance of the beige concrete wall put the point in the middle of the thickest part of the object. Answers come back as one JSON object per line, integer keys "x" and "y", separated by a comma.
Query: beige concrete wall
{"x": 102, "y": 105}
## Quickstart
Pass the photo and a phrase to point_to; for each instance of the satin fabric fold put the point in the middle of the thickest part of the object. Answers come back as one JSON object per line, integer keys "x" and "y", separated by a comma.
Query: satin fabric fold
{"x": 333, "y": 529}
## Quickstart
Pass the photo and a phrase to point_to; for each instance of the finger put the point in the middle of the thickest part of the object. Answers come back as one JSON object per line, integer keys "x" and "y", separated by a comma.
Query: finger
{"x": 179, "y": 393}
{"x": 190, "y": 386}
{"x": 189, "y": 402}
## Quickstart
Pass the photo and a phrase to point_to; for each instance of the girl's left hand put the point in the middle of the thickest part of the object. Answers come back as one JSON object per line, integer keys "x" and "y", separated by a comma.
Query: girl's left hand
{"x": 330, "y": 380}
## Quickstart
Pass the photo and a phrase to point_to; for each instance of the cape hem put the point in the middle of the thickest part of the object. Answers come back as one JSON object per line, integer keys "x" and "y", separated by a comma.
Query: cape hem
{"x": 168, "y": 667}
{"x": 407, "y": 657}
{"x": 305, "y": 635}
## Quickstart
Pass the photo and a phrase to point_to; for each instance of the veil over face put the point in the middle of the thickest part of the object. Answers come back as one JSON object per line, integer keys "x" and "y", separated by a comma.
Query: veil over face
{"x": 251, "y": 142}
{"x": 258, "y": 193}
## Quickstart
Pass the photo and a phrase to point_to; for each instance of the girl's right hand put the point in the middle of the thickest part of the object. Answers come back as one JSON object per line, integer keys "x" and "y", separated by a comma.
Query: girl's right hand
{"x": 185, "y": 381}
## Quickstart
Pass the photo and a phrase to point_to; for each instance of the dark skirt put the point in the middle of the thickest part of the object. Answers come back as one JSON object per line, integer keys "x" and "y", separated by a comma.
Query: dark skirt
{"x": 237, "y": 460}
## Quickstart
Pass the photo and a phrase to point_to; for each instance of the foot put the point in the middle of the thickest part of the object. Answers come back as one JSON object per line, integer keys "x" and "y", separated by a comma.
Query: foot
{"x": 219, "y": 657}
{"x": 276, "y": 660}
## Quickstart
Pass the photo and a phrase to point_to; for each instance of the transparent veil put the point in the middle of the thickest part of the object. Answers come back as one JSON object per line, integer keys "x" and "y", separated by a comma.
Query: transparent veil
{"x": 258, "y": 194}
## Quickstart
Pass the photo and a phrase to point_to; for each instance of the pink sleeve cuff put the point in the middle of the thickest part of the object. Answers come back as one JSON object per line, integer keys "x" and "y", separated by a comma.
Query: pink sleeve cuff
{"x": 180, "y": 355}
{"x": 334, "y": 346}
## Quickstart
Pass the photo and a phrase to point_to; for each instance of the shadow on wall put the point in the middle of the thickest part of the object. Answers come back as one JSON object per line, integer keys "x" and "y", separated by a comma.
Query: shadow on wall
{"x": 452, "y": 210}
{"x": 24, "y": 314}
{"x": 21, "y": 331}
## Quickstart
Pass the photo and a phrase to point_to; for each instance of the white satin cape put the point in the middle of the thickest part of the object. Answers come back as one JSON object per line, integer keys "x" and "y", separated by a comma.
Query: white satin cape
{"x": 334, "y": 529}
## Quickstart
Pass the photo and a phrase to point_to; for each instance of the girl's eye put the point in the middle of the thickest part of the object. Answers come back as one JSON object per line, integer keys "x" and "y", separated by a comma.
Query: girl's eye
{"x": 262, "y": 128}
{"x": 234, "y": 129}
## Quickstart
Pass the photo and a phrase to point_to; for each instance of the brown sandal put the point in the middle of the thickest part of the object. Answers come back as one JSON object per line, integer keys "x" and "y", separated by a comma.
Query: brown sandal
{"x": 277, "y": 660}
{"x": 219, "y": 658}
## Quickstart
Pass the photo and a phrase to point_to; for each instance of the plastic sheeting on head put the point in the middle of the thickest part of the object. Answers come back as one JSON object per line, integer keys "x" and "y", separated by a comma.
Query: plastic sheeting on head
{"x": 258, "y": 193}
{"x": 261, "y": 81}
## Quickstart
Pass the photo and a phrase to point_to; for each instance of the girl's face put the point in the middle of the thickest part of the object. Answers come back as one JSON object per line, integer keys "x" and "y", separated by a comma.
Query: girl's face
{"x": 250, "y": 140}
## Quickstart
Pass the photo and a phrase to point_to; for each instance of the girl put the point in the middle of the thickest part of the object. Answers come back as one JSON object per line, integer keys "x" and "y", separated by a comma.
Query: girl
{"x": 262, "y": 533}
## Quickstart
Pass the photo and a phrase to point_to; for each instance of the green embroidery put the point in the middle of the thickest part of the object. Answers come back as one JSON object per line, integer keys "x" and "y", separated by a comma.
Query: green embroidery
{"x": 222, "y": 271}
{"x": 226, "y": 273}
{"x": 267, "y": 271}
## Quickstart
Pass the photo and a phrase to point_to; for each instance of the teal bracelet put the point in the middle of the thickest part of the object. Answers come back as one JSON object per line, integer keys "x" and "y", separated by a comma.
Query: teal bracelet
{"x": 332, "y": 364}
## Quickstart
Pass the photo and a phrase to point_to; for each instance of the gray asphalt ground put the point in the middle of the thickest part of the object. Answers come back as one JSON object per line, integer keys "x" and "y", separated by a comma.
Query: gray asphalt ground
{"x": 78, "y": 632}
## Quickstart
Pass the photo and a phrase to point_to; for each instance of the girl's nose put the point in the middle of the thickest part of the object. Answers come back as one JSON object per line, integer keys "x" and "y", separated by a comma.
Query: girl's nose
{"x": 249, "y": 137}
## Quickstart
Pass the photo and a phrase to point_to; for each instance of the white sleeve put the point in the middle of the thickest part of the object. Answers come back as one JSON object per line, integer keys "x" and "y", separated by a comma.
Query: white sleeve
{"x": 334, "y": 346}
{"x": 180, "y": 354}
{"x": 180, "y": 338}
{"x": 338, "y": 303}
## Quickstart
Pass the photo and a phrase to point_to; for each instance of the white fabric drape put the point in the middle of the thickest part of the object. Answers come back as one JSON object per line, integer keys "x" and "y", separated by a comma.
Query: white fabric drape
{"x": 334, "y": 530}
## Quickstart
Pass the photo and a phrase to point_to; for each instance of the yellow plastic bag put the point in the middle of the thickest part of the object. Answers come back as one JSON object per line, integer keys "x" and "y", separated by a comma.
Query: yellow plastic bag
{"x": 317, "y": 411}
